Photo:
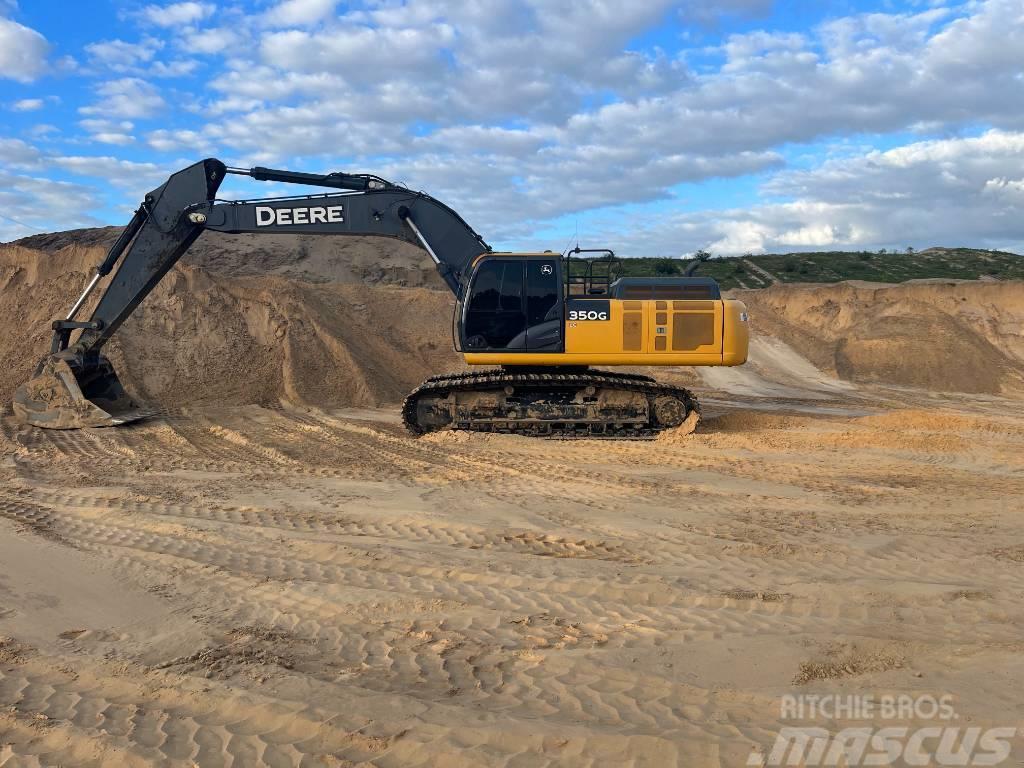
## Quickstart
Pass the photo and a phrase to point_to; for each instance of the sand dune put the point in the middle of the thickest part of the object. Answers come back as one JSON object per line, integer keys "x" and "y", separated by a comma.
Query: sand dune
{"x": 330, "y": 334}
{"x": 949, "y": 335}
{"x": 203, "y": 336}
{"x": 273, "y": 573}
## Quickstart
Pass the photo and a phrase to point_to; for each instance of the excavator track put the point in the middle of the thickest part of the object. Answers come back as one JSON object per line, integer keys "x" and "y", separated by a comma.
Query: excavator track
{"x": 550, "y": 403}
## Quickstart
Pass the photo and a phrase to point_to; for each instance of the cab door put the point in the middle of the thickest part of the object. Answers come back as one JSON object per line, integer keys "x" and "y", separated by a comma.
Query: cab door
{"x": 495, "y": 316}
{"x": 544, "y": 305}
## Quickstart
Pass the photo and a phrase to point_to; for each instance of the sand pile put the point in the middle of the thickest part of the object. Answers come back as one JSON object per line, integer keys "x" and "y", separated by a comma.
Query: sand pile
{"x": 205, "y": 337}
{"x": 956, "y": 336}
{"x": 311, "y": 258}
{"x": 353, "y": 322}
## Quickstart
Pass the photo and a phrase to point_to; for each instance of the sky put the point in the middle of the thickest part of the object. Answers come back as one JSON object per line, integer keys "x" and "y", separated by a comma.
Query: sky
{"x": 651, "y": 127}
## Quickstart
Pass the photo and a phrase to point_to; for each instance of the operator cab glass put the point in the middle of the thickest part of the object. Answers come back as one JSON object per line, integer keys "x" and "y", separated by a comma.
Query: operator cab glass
{"x": 514, "y": 304}
{"x": 494, "y": 314}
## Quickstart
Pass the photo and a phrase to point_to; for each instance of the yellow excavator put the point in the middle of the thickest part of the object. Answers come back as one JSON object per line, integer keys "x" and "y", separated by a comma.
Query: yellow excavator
{"x": 539, "y": 322}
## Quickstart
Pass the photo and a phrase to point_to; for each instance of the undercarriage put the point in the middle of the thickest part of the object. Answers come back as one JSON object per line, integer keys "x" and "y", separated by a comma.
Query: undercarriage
{"x": 550, "y": 402}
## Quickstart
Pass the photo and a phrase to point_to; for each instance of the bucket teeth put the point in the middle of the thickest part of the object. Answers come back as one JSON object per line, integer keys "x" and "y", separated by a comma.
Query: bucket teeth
{"x": 64, "y": 393}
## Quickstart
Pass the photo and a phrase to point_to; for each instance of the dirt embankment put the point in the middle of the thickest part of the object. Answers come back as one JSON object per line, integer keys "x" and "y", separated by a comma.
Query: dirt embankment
{"x": 312, "y": 258}
{"x": 356, "y": 324}
{"x": 946, "y": 335}
{"x": 203, "y": 336}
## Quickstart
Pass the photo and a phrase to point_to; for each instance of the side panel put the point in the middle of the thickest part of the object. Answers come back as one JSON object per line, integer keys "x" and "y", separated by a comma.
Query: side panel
{"x": 677, "y": 328}
{"x": 649, "y": 332}
{"x": 594, "y": 326}
{"x": 685, "y": 327}
{"x": 736, "y": 333}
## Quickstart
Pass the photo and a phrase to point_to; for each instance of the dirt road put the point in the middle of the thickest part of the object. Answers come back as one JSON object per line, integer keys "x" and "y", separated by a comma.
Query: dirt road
{"x": 284, "y": 587}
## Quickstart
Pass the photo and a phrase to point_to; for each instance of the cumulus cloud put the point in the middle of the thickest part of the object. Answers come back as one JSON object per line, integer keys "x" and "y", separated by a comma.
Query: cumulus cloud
{"x": 299, "y": 13}
{"x": 120, "y": 55}
{"x": 128, "y": 97}
{"x": 27, "y": 105}
{"x": 191, "y": 142}
{"x": 109, "y": 131}
{"x": 22, "y": 52}
{"x": 357, "y": 52}
{"x": 34, "y": 204}
{"x": 176, "y": 14}
{"x": 950, "y": 191}
{"x": 519, "y": 112}
{"x": 210, "y": 41}
{"x": 16, "y": 153}
{"x": 136, "y": 178}
{"x": 31, "y": 203}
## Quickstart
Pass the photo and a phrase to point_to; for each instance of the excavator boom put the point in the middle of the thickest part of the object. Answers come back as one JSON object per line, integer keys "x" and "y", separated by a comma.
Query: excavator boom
{"x": 76, "y": 386}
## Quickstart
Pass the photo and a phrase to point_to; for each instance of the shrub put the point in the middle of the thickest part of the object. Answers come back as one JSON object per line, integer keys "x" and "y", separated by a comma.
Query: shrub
{"x": 665, "y": 267}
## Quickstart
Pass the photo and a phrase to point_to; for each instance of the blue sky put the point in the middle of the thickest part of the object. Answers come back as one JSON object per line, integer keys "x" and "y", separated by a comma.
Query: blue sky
{"x": 654, "y": 128}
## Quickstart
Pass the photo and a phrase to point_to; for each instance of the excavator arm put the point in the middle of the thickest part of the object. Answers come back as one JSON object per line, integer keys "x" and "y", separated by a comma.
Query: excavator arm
{"x": 75, "y": 386}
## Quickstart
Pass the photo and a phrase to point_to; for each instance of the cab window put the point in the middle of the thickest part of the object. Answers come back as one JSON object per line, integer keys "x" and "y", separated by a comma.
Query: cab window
{"x": 495, "y": 314}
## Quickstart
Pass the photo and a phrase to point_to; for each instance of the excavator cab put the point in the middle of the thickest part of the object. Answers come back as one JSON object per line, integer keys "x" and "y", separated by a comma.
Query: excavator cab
{"x": 514, "y": 302}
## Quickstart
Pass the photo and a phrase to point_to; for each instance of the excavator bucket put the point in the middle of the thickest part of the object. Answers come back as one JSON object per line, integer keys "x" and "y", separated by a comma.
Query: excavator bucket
{"x": 66, "y": 394}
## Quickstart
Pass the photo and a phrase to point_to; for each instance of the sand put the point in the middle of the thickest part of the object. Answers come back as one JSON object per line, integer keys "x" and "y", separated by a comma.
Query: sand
{"x": 947, "y": 335}
{"x": 284, "y": 577}
{"x": 207, "y": 336}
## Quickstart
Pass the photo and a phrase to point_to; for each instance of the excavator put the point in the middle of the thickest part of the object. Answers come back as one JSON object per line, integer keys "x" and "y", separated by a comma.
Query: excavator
{"x": 538, "y": 322}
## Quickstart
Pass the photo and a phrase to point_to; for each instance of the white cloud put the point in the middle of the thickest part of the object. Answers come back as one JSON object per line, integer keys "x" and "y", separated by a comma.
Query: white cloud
{"x": 176, "y": 14}
{"x": 516, "y": 112}
{"x": 193, "y": 143}
{"x": 109, "y": 131}
{"x": 950, "y": 191}
{"x": 43, "y": 130}
{"x": 42, "y": 204}
{"x": 16, "y": 153}
{"x": 119, "y": 55}
{"x": 31, "y": 203}
{"x": 358, "y": 53}
{"x": 493, "y": 108}
{"x": 22, "y": 52}
{"x": 112, "y": 171}
{"x": 175, "y": 68}
{"x": 128, "y": 97}
{"x": 27, "y": 105}
{"x": 209, "y": 41}
{"x": 111, "y": 137}
{"x": 299, "y": 13}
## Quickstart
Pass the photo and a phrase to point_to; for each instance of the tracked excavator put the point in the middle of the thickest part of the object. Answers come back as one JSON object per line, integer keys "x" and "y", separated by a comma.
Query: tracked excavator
{"x": 538, "y": 323}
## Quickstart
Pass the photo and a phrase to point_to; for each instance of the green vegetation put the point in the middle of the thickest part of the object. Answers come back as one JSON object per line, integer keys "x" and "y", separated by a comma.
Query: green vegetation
{"x": 832, "y": 266}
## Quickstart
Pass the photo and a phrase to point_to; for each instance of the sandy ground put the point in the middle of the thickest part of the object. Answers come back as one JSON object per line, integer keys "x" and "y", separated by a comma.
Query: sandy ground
{"x": 254, "y": 586}
{"x": 273, "y": 573}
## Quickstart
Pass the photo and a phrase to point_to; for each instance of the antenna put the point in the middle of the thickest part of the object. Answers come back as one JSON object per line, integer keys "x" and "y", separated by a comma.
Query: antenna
{"x": 576, "y": 237}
